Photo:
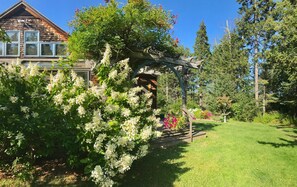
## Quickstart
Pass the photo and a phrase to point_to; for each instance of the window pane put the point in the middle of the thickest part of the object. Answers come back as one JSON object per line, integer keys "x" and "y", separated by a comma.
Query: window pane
{"x": 60, "y": 50}
{"x": 12, "y": 49}
{"x": 31, "y": 49}
{"x": 31, "y": 36}
{"x": 47, "y": 49}
{"x": 1, "y": 49}
{"x": 84, "y": 75}
{"x": 13, "y": 35}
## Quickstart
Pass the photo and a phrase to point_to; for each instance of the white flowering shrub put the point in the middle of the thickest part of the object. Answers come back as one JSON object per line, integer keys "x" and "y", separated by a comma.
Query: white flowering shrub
{"x": 115, "y": 119}
{"x": 103, "y": 127}
{"x": 28, "y": 128}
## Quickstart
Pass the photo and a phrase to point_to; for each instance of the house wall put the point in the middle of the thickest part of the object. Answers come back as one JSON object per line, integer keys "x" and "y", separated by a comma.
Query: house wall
{"x": 25, "y": 22}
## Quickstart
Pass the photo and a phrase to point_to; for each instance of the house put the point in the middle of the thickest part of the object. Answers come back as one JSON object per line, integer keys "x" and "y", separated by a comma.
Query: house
{"x": 34, "y": 38}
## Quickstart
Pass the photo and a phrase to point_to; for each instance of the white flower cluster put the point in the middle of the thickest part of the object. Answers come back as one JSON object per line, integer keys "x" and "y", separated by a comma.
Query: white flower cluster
{"x": 13, "y": 99}
{"x": 118, "y": 123}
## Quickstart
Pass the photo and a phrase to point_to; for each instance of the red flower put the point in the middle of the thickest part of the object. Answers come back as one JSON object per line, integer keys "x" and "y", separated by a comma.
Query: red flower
{"x": 170, "y": 122}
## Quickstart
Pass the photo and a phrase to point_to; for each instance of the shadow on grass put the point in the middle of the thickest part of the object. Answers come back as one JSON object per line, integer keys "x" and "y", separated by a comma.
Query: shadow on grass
{"x": 204, "y": 125}
{"x": 285, "y": 142}
{"x": 158, "y": 168}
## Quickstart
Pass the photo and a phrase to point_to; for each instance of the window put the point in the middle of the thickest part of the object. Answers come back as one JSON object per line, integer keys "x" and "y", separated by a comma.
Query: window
{"x": 1, "y": 48}
{"x": 13, "y": 47}
{"x": 85, "y": 75}
{"x": 60, "y": 50}
{"x": 31, "y": 43}
{"x": 53, "y": 49}
{"x": 47, "y": 49}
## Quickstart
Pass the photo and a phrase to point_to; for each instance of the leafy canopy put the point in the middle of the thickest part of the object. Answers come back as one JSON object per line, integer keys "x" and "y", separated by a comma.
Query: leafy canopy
{"x": 135, "y": 26}
{"x": 3, "y": 36}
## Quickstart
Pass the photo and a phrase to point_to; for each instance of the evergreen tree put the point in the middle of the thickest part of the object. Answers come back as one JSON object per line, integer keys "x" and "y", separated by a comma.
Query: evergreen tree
{"x": 202, "y": 52}
{"x": 229, "y": 72}
{"x": 255, "y": 14}
{"x": 282, "y": 58}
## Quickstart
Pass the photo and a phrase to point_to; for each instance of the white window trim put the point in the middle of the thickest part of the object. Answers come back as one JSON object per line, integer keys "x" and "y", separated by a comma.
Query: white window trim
{"x": 12, "y": 42}
{"x": 30, "y": 42}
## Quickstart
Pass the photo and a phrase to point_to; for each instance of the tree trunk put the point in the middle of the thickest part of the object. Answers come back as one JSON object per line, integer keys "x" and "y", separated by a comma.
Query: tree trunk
{"x": 264, "y": 100}
{"x": 256, "y": 67}
{"x": 200, "y": 100}
{"x": 225, "y": 119}
{"x": 256, "y": 58}
{"x": 167, "y": 89}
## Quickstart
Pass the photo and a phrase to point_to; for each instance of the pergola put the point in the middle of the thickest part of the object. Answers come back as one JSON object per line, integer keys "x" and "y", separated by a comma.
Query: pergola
{"x": 178, "y": 65}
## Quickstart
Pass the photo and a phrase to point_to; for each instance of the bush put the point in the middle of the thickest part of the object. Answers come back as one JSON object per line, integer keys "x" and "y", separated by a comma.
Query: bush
{"x": 30, "y": 124}
{"x": 197, "y": 113}
{"x": 274, "y": 118}
{"x": 173, "y": 122}
{"x": 244, "y": 108}
{"x": 103, "y": 128}
{"x": 206, "y": 114}
{"x": 200, "y": 114}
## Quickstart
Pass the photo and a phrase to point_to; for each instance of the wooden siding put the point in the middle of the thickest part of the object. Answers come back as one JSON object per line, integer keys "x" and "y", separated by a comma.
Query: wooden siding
{"x": 22, "y": 20}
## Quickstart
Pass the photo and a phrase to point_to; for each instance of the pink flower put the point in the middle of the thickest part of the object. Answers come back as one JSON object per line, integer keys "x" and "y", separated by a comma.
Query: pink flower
{"x": 170, "y": 122}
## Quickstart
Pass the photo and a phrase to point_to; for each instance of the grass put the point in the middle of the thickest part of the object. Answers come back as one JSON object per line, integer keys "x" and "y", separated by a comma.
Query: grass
{"x": 233, "y": 154}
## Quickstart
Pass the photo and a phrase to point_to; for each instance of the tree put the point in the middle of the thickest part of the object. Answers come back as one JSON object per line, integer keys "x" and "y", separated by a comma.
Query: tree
{"x": 202, "y": 52}
{"x": 229, "y": 73}
{"x": 224, "y": 105}
{"x": 3, "y": 35}
{"x": 282, "y": 57}
{"x": 135, "y": 26}
{"x": 255, "y": 14}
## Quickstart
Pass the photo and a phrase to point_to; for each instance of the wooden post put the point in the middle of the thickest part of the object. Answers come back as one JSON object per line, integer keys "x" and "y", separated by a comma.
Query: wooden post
{"x": 186, "y": 112}
{"x": 191, "y": 128}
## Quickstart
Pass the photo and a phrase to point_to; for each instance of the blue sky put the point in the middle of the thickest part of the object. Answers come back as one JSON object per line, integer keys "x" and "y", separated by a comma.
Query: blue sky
{"x": 190, "y": 13}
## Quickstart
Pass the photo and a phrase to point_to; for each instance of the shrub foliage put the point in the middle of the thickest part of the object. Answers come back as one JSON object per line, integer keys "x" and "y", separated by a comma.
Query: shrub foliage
{"x": 102, "y": 128}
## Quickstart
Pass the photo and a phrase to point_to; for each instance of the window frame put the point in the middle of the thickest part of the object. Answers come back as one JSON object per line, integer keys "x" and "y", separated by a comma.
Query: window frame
{"x": 32, "y": 42}
{"x": 54, "y": 49}
{"x": 13, "y": 42}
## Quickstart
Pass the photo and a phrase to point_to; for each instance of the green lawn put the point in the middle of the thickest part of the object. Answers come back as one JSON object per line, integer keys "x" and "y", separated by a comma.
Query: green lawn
{"x": 233, "y": 154}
